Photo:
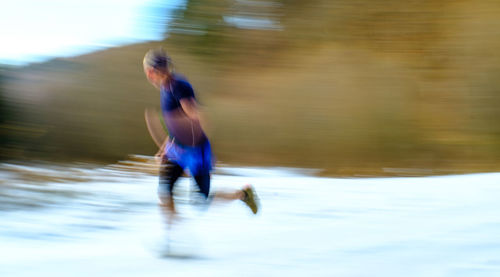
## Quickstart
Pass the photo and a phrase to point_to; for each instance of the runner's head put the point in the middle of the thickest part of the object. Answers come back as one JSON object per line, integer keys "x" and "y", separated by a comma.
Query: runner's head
{"x": 157, "y": 66}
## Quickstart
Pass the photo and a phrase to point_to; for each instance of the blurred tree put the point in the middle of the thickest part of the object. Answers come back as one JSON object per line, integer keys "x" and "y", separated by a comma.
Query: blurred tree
{"x": 3, "y": 118}
{"x": 10, "y": 127}
{"x": 229, "y": 31}
{"x": 321, "y": 83}
{"x": 238, "y": 29}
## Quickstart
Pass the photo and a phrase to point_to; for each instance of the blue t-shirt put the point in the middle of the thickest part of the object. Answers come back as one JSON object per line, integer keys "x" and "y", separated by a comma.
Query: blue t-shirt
{"x": 181, "y": 128}
{"x": 172, "y": 94}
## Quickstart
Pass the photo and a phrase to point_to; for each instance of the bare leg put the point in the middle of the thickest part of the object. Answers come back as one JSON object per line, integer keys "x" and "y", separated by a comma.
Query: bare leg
{"x": 169, "y": 173}
{"x": 247, "y": 195}
{"x": 167, "y": 208}
{"x": 229, "y": 196}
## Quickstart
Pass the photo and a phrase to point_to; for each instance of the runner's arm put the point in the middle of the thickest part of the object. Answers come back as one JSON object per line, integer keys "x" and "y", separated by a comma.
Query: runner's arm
{"x": 162, "y": 148}
{"x": 193, "y": 112}
{"x": 190, "y": 108}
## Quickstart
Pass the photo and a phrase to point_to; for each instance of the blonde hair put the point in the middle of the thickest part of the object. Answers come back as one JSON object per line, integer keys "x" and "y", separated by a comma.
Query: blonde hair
{"x": 158, "y": 59}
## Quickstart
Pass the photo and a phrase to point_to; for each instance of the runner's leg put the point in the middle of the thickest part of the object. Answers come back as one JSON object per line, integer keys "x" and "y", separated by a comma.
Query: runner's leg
{"x": 203, "y": 182}
{"x": 169, "y": 173}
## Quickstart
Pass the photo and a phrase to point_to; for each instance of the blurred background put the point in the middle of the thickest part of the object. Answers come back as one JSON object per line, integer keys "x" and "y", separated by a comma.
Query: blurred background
{"x": 353, "y": 87}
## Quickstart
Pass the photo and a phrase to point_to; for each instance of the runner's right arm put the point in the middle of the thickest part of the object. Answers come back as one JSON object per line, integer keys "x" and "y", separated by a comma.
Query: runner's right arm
{"x": 161, "y": 151}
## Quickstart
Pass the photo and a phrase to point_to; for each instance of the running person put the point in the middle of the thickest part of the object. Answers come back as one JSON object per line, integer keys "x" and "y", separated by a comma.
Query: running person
{"x": 187, "y": 146}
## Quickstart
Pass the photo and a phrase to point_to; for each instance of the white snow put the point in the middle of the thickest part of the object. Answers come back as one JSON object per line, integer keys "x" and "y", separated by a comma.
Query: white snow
{"x": 308, "y": 226}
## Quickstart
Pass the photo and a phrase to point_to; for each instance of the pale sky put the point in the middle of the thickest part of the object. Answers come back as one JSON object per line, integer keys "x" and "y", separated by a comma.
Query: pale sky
{"x": 36, "y": 30}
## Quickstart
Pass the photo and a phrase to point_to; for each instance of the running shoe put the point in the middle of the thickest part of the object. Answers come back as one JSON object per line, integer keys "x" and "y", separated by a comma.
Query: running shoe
{"x": 250, "y": 198}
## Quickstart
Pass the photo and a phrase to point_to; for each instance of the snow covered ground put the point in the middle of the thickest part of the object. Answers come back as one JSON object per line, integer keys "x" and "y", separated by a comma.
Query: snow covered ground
{"x": 109, "y": 224}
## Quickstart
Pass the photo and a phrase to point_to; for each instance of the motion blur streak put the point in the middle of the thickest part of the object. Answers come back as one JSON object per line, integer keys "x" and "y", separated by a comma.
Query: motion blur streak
{"x": 290, "y": 90}
{"x": 102, "y": 221}
{"x": 352, "y": 87}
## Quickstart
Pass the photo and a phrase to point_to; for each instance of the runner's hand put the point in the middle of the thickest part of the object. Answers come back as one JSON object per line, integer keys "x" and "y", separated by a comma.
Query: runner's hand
{"x": 159, "y": 156}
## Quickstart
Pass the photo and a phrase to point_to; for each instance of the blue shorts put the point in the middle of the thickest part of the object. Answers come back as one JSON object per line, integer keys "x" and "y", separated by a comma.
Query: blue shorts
{"x": 198, "y": 160}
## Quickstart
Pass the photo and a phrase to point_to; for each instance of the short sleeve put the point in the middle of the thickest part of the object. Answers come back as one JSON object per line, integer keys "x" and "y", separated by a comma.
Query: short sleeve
{"x": 183, "y": 90}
